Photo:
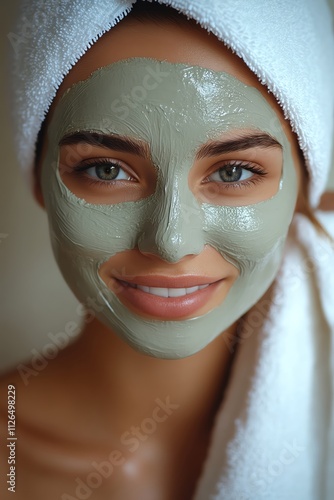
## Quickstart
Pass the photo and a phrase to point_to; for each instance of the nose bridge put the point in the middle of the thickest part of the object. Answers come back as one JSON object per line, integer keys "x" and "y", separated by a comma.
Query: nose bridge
{"x": 176, "y": 226}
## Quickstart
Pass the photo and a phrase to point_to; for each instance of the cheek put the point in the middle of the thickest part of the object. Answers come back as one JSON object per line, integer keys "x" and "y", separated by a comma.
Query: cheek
{"x": 252, "y": 237}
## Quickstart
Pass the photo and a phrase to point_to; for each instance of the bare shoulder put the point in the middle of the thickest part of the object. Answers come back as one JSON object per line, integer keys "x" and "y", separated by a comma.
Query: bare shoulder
{"x": 39, "y": 390}
{"x": 327, "y": 202}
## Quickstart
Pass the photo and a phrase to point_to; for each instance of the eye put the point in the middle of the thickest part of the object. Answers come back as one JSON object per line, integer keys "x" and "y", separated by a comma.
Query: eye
{"x": 103, "y": 170}
{"x": 235, "y": 172}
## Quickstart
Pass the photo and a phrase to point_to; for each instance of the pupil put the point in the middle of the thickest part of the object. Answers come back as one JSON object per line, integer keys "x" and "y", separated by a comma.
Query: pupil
{"x": 107, "y": 172}
{"x": 230, "y": 174}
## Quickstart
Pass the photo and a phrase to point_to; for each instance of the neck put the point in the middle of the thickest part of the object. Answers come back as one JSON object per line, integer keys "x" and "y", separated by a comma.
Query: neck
{"x": 130, "y": 383}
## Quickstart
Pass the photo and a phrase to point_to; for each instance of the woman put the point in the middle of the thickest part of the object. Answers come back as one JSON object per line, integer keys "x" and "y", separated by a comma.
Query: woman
{"x": 171, "y": 180}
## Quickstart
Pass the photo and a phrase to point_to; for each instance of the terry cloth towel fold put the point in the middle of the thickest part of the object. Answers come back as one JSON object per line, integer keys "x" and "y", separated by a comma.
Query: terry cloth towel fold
{"x": 287, "y": 44}
{"x": 273, "y": 437}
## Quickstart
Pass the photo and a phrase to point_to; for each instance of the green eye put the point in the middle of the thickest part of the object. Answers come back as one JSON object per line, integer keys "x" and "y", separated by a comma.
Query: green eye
{"x": 232, "y": 173}
{"x": 104, "y": 170}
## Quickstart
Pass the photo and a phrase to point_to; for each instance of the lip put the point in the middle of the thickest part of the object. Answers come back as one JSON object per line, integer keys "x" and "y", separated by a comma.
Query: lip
{"x": 170, "y": 308}
{"x": 160, "y": 281}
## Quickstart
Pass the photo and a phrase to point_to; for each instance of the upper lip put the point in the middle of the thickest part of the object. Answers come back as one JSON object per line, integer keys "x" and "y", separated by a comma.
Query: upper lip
{"x": 170, "y": 282}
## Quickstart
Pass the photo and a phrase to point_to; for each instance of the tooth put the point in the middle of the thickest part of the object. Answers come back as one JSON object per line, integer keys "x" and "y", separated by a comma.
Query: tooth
{"x": 162, "y": 292}
{"x": 170, "y": 292}
{"x": 176, "y": 292}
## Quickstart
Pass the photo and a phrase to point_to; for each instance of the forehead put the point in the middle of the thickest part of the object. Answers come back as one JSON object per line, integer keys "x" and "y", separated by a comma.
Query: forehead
{"x": 172, "y": 42}
{"x": 163, "y": 104}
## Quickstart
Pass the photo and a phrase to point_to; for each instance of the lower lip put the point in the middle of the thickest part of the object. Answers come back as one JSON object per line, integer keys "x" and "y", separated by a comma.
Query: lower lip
{"x": 162, "y": 307}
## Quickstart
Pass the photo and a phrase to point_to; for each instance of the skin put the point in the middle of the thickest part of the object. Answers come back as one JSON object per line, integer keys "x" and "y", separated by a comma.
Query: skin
{"x": 102, "y": 398}
{"x": 327, "y": 202}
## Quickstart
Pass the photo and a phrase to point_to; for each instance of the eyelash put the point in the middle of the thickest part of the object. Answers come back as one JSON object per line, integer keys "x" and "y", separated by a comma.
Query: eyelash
{"x": 255, "y": 169}
{"x": 250, "y": 167}
{"x": 81, "y": 171}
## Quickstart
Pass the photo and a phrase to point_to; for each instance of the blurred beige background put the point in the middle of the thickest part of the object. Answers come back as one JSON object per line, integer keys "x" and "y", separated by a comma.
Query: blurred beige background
{"x": 34, "y": 300}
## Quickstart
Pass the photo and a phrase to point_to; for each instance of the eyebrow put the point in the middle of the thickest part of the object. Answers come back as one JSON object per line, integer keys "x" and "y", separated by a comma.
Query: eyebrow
{"x": 256, "y": 140}
{"x": 115, "y": 142}
{"x": 129, "y": 145}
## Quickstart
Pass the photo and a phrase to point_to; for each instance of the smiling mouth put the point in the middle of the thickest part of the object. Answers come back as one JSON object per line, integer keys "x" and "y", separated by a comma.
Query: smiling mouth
{"x": 167, "y": 303}
{"x": 166, "y": 292}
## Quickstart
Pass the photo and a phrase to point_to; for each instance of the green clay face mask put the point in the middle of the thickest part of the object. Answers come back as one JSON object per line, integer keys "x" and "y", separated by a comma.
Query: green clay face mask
{"x": 180, "y": 108}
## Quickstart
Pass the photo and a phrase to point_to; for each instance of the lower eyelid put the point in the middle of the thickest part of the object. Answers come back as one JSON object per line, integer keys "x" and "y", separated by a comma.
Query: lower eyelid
{"x": 241, "y": 184}
{"x": 100, "y": 184}
{"x": 223, "y": 187}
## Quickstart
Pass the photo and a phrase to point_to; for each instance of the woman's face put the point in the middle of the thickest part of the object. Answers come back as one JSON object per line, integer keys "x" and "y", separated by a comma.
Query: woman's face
{"x": 170, "y": 168}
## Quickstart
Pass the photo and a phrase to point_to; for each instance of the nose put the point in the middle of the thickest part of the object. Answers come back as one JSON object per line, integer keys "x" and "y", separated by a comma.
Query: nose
{"x": 174, "y": 230}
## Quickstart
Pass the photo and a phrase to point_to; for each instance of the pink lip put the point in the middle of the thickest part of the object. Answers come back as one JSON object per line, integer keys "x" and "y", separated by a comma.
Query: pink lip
{"x": 166, "y": 307}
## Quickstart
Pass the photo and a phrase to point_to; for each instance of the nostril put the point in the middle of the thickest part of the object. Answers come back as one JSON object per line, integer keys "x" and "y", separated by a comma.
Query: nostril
{"x": 171, "y": 239}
